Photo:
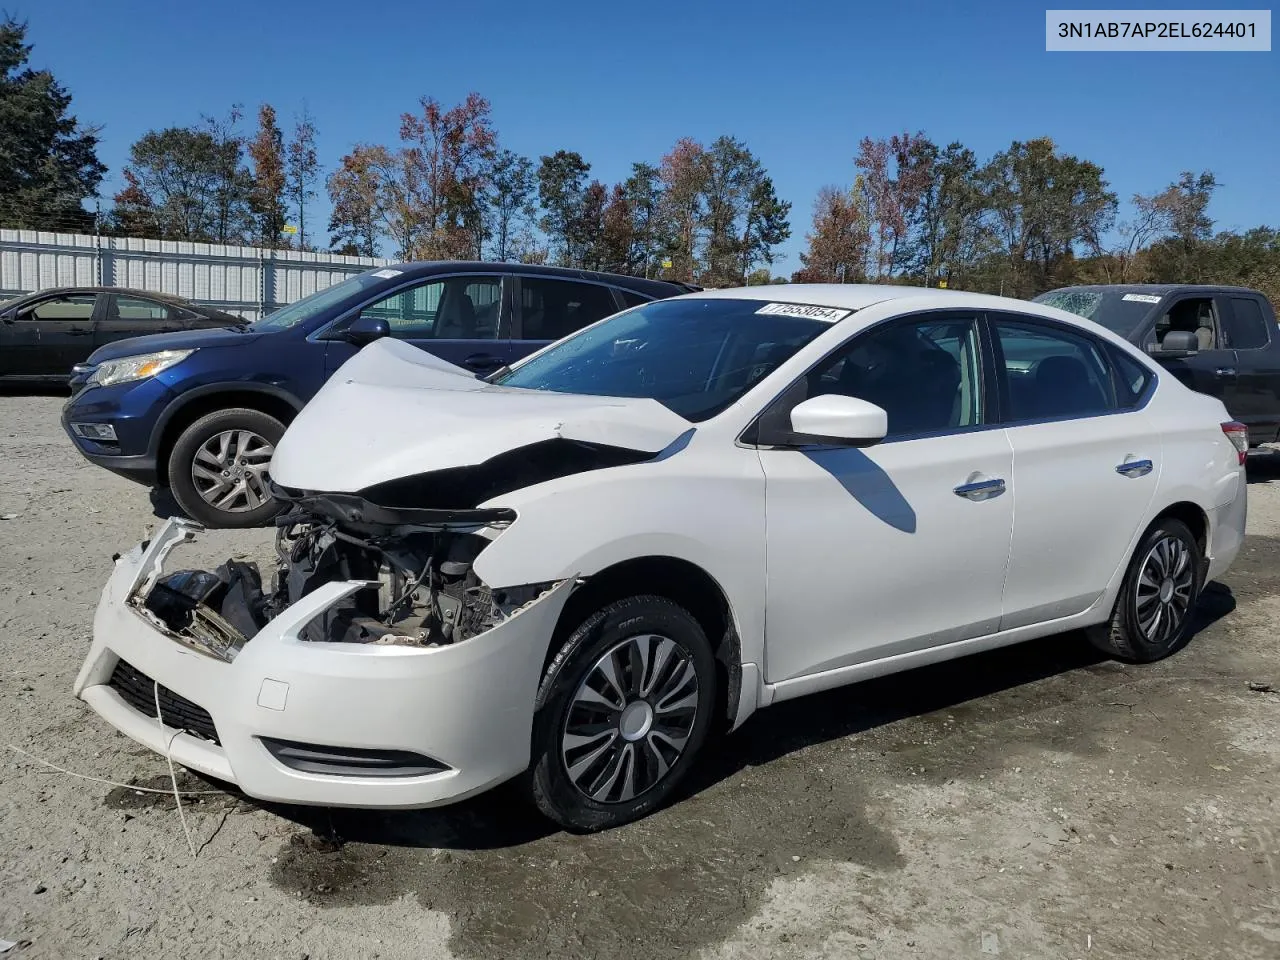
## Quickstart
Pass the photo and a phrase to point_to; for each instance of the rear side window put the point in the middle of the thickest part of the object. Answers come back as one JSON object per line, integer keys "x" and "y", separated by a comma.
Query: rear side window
{"x": 551, "y": 309}
{"x": 631, "y": 299}
{"x": 135, "y": 308}
{"x": 1246, "y": 326}
{"x": 1051, "y": 373}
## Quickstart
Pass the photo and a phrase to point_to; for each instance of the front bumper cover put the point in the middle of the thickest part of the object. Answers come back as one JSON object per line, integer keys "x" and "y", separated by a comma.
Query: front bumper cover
{"x": 468, "y": 705}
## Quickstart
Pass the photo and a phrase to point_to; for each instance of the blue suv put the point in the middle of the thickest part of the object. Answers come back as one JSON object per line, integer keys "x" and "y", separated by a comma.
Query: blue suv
{"x": 200, "y": 412}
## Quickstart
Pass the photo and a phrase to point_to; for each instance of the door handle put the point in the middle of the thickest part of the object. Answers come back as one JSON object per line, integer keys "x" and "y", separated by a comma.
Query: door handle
{"x": 1224, "y": 371}
{"x": 482, "y": 362}
{"x": 1135, "y": 468}
{"x": 980, "y": 489}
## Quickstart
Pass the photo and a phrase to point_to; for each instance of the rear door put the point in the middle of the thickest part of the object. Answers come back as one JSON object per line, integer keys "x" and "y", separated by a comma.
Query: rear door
{"x": 548, "y": 308}
{"x": 462, "y": 319}
{"x": 1085, "y": 463}
{"x": 127, "y": 315}
{"x": 1255, "y": 396}
{"x": 50, "y": 336}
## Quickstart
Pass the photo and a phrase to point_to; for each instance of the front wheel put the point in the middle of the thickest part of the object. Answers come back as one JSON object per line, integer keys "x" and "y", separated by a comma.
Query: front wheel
{"x": 622, "y": 711}
{"x": 218, "y": 468}
{"x": 1154, "y": 611}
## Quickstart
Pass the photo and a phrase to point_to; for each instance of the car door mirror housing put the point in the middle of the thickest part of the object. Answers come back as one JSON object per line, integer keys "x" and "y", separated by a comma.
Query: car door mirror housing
{"x": 836, "y": 419}
{"x": 366, "y": 329}
{"x": 1176, "y": 343}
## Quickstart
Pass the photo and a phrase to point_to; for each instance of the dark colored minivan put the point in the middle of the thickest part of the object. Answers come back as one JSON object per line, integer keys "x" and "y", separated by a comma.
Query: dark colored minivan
{"x": 200, "y": 412}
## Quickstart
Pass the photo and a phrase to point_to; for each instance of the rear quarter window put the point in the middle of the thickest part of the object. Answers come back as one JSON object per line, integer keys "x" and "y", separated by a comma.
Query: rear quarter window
{"x": 1132, "y": 379}
{"x": 631, "y": 298}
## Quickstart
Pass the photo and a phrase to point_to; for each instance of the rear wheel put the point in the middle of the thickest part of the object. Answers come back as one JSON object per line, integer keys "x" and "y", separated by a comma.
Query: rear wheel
{"x": 1153, "y": 613}
{"x": 621, "y": 714}
{"x": 218, "y": 468}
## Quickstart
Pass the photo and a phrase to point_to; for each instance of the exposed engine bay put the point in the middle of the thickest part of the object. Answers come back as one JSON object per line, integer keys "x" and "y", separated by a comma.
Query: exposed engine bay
{"x": 418, "y": 563}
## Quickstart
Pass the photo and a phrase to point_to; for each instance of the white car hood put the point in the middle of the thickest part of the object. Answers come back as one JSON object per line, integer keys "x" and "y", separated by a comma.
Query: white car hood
{"x": 395, "y": 411}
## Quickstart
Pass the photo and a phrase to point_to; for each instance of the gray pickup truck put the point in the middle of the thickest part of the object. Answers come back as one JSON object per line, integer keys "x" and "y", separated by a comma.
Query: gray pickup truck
{"x": 1218, "y": 340}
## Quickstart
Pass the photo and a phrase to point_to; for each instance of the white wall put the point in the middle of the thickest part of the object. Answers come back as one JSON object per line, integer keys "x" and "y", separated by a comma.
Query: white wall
{"x": 248, "y": 281}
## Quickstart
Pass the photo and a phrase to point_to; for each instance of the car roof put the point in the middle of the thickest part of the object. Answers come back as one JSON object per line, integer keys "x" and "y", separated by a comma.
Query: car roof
{"x": 657, "y": 288}
{"x": 855, "y": 297}
{"x": 127, "y": 291}
{"x": 858, "y": 296}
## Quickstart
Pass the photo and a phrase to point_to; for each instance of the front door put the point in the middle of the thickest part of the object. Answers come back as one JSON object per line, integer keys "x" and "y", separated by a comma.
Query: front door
{"x": 1086, "y": 460}
{"x": 1212, "y": 368}
{"x": 461, "y": 319}
{"x": 49, "y": 337}
{"x": 903, "y": 545}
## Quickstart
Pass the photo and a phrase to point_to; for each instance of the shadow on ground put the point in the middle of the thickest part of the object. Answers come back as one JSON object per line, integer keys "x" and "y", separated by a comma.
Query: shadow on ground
{"x": 805, "y": 786}
{"x": 782, "y": 796}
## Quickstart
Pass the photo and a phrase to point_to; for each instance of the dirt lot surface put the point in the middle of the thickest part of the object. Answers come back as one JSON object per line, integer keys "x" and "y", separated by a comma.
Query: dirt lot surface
{"x": 1034, "y": 802}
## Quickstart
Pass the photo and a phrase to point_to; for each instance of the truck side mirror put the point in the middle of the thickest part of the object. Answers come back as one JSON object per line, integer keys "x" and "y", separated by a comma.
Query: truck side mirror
{"x": 1176, "y": 344}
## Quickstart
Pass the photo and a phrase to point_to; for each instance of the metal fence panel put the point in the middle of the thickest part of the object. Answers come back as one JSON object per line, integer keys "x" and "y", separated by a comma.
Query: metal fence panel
{"x": 249, "y": 281}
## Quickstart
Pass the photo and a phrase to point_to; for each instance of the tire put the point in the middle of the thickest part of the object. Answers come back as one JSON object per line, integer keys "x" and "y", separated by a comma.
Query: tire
{"x": 1154, "y": 613}
{"x": 193, "y": 464}
{"x": 572, "y": 777}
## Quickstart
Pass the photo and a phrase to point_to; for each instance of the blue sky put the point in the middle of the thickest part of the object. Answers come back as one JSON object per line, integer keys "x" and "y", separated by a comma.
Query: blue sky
{"x": 800, "y": 82}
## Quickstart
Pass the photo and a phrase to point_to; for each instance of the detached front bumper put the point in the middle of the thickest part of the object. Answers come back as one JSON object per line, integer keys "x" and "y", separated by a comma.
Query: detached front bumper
{"x": 468, "y": 706}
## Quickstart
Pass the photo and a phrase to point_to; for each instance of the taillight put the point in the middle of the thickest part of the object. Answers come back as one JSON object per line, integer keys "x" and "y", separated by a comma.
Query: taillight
{"x": 1238, "y": 434}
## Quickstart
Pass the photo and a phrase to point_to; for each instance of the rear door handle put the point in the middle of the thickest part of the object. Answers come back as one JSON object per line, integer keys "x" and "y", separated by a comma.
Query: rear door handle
{"x": 980, "y": 489}
{"x": 1224, "y": 371}
{"x": 1135, "y": 468}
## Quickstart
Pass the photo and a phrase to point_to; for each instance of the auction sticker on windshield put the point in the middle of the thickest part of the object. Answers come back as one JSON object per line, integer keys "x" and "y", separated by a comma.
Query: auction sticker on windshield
{"x": 808, "y": 311}
{"x": 387, "y": 274}
{"x": 1142, "y": 297}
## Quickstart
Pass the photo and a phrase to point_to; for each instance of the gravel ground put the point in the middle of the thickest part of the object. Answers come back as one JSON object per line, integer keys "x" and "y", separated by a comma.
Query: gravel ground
{"x": 1033, "y": 802}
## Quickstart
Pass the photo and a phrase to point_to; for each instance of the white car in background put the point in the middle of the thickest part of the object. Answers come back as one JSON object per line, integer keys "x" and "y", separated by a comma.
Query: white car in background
{"x": 576, "y": 572}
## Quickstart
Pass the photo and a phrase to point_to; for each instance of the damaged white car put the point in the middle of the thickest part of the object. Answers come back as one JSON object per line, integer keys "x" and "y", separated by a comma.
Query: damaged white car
{"x": 578, "y": 571}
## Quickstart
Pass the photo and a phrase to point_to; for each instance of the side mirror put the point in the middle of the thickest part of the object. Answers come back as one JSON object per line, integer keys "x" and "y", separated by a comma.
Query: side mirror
{"x": 846, "y": 421}
{"x": 365, "y": 329}
{"x": 1176, "y": 343}
{"x": 8, "y": 316}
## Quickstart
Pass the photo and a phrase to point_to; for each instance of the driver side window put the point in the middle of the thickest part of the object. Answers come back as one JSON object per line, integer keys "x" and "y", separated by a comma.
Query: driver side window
{"x": 76, "y": 307}
{"x": 1193, "y": 315}
{"x": 457, "y": 308}
{"x": 925, "y": 375}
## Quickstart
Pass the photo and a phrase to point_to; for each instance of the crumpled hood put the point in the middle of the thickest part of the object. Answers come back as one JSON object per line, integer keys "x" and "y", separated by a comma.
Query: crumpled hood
{"x": 395, "y": 411}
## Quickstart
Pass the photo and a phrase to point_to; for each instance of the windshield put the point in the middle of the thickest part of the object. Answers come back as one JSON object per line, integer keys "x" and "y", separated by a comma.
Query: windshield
{"x": 306, "y": 308}
{"x": 1119, "y": 312}
{"x": 695, "y": 357}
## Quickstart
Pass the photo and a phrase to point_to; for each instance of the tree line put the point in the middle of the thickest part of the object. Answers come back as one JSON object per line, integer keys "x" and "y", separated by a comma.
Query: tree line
{"x": 1028, "y": 218}
{"x": 450, "y": 191}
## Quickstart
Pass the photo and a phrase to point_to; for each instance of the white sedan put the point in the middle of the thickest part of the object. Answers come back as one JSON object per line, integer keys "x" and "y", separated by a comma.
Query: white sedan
{"x": 578, "y": 571}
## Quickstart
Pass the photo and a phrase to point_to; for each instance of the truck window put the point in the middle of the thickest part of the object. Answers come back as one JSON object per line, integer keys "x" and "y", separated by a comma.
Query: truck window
{"x": 1246, "y": 329}
{"x": 1195, "y": 315}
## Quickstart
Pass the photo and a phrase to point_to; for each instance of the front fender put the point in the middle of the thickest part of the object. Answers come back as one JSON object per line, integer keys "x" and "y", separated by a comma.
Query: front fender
{"x": 579, "y": 525}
